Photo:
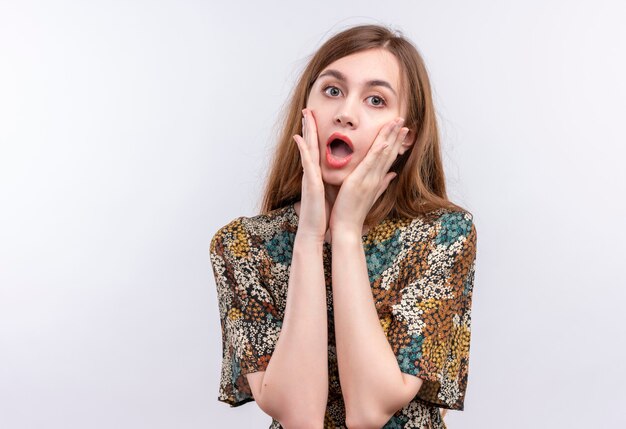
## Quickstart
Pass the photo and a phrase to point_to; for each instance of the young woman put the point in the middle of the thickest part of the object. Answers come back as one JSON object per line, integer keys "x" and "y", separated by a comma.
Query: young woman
{"x": 347, "y": 301}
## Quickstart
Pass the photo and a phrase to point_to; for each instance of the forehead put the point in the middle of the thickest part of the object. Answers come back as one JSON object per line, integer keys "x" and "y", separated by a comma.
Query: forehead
{"x": 368, "y": 65}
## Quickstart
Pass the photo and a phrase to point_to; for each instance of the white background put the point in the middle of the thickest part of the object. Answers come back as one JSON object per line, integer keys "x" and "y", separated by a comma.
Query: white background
{"x": 130, "y": 131}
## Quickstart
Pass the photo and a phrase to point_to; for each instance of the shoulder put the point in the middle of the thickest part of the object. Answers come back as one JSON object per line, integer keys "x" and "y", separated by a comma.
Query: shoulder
{"x": 454, "y": 226}
{"x": 250, "y": 231}
{"x": 444, "y": 218}
{"x": 442, "y": 228}
{"x": 226, "y": 235}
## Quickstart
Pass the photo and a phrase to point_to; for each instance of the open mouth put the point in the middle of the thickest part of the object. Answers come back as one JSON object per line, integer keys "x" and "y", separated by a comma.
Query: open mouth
{"x": 340, "y": 146}
{"x": 339, "y": 150}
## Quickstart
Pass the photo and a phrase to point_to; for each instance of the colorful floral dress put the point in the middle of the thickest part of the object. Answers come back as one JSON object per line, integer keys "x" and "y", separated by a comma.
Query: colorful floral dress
{"x": 421, "y": 273}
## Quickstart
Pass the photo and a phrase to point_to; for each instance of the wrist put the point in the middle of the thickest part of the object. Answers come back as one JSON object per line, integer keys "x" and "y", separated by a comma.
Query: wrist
{"x": 308, "y": 239}
{"x": 345, "y": 232}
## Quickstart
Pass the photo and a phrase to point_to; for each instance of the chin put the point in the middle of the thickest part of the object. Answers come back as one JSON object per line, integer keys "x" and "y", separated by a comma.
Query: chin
{"x": 334, "y": 177}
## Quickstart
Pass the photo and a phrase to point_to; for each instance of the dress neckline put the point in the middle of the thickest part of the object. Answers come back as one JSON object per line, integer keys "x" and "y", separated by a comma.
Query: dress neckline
{"x": 292, "y": 209}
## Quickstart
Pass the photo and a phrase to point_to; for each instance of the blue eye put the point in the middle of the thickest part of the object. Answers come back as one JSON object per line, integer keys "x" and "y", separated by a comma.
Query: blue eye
{"x": 382, "y": 101}
{"x": 334, "y": 87}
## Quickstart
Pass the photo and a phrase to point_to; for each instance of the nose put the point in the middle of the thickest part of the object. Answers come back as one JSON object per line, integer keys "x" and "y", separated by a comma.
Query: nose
{"x": 345, "y": 116}
{"x": 343, "y": 119}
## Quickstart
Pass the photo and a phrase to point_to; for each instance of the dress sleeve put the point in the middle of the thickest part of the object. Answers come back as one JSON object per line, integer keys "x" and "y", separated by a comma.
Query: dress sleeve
{"x": 249, "y": 321}
{"x": 430, "y": 326}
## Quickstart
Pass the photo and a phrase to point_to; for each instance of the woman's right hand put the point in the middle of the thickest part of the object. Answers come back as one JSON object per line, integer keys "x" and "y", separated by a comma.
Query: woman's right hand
{"x": 314, "y": 209}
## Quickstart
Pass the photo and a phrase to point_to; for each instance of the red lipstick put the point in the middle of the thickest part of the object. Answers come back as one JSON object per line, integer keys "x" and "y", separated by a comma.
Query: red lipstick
{"x": 334, "y": 161}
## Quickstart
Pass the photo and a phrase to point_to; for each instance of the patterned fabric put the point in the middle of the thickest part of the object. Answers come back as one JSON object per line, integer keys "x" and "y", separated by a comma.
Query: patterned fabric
{"x": 421, "y": 273}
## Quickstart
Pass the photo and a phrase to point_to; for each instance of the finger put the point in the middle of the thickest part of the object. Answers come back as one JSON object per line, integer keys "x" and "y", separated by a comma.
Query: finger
{"x": 384, "y": 150}
{"x": 385, "y": 184}
{"x": 390, "y": 150}
{"x": 305, "y": 139}
{"x": 305, "y": 157}
{"x": 310, "y": 128}
{"x": 384, "y": 155}
{"x": 389, "y": 134}
{"x": 393, "y": 147}
{"x": 372, "y": 158}
{"x": 387, "y": 130}
{"x": 392, "y": 138}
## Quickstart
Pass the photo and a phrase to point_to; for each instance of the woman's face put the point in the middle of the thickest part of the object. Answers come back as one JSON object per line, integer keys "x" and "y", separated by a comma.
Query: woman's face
{"x": 355, "y": 96}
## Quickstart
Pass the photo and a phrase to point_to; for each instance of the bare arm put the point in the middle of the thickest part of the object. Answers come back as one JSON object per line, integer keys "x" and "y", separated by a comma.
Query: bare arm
{"x": 373, "y": 386}
{"x": 294, "y": 387}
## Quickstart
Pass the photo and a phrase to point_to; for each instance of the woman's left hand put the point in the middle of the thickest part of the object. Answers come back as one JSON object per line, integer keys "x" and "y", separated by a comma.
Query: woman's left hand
{"x": 361, "y": 188}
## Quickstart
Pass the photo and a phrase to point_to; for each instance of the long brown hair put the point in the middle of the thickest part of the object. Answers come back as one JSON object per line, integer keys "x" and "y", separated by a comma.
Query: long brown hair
{"x": 420, "y": 185}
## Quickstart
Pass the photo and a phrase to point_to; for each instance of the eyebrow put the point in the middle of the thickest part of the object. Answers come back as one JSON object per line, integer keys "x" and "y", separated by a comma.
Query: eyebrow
{"x": 339, "y": 76}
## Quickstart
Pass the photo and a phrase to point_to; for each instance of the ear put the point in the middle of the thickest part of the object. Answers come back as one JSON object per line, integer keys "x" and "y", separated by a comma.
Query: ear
{"x": 407, "y": 143}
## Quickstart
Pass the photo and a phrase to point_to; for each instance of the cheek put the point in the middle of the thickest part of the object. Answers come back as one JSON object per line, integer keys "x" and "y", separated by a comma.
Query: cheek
{"x": 372, "y": 135}
{"x": 380, "y": 128}
{"x": 314, "y": 101}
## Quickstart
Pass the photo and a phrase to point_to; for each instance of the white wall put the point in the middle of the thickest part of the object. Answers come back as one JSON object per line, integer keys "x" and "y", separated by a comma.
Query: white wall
{"x": 130, "y": 131}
